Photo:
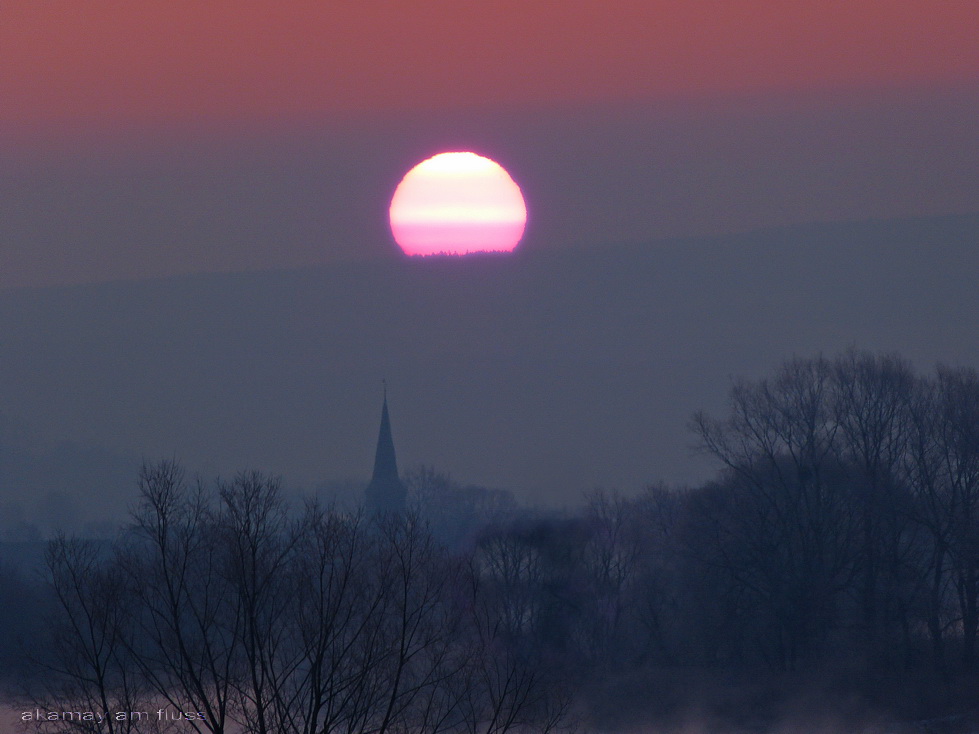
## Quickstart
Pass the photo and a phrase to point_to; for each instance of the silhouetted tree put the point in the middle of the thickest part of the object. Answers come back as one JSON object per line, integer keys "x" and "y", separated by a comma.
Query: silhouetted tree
{"x": 789, "y": 537}
{"x": 956, "y": 480}
{"x": 226, "y": 605}
{"x": 871, "y": 403}
{"x": 88, "y": 663}
{"x": 187, "y": 625}
{"x": 609, "y": 569}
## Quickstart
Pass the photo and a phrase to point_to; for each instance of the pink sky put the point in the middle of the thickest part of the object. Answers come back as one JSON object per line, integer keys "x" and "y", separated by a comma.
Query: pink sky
{"x": 144, "y": 139}
{"x": 115, "y": 62}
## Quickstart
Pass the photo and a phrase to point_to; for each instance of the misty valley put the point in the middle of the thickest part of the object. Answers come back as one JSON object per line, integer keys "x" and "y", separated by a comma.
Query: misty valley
{"x": 827, "y": 576}
{"x": 667, "y": 310}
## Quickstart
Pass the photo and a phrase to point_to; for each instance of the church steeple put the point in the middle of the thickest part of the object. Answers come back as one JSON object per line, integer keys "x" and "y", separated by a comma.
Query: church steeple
{"x": 385, "y": 493}
{"x": 385, "y": 462}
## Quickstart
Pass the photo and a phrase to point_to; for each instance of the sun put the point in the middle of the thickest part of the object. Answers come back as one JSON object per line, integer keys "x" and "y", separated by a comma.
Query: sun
{"x": 457, "y": 204}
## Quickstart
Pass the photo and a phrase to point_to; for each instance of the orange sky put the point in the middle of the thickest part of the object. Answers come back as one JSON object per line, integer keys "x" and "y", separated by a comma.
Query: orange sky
{"x": 184, "y": 61}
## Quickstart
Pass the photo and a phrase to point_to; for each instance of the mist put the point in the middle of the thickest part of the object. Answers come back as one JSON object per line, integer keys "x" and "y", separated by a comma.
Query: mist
{"x": 546, "y": 373}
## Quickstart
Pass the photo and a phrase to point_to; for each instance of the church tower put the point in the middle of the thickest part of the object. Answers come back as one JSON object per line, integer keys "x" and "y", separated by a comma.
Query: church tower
{"x": 385, "y": 493}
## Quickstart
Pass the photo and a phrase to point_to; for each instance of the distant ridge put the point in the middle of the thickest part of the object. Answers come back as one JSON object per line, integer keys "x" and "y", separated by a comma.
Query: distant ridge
{"x": 549, "y": 372}
{"x": 908, "y": 230}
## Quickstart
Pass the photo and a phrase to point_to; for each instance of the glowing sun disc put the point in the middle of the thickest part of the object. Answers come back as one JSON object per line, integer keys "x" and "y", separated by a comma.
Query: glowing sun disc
{"x": 456, "y": 204}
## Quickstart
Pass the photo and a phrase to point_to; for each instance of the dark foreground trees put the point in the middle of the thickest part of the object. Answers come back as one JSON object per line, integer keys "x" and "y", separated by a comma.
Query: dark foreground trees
{"x": 846, "y": 513}
{"x": 223, "y": 612}
{"x": 841, "y": 534}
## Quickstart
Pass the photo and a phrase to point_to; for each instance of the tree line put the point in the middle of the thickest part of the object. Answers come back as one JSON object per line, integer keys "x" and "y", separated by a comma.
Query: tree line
{"x": 846, "y": 516}
{"x": 842, "y": 530}
{"x": 228, "y": 613}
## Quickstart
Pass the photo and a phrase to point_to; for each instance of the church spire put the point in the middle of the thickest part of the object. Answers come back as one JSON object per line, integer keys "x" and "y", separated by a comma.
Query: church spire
{"x": 385, "y": 493}
{"x": 385, "y": 461}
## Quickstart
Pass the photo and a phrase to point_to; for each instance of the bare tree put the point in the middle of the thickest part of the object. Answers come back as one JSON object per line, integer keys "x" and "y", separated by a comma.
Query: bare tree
{"x": 236, "y": 616}
{"x": 871, "y": 405}
{"x": 609, "y": 567}
{"x": 513, "y": 570}
{"x": 417, "y": 580}
{"x": 89, "y": 673}
{"x": 789, "y": 538}
{"x": 663, "y": 571}
{"x": 948, "y": 471}
{"x": 187, "y": 629}
{"x": 943, "y": 467}
{"x": 257, "y": 545}
{"x": 507, "y": 685}
{"x": 334, "y": 602}
{"x": 958, "y": 451}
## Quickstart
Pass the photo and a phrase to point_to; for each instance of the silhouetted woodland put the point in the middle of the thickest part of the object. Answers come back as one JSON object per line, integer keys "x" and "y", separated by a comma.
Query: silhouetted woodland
{"x": 838, "y": 542}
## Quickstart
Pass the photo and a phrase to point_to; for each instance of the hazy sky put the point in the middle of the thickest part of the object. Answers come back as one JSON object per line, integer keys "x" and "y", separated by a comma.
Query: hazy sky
{"x": 145, "y": 139}
{"x": 113, "y": 64}
{"x": 174, "y": 138}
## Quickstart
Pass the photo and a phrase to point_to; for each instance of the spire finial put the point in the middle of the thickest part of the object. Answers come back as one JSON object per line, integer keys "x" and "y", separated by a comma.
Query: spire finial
{"x": 384, "y": 385}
